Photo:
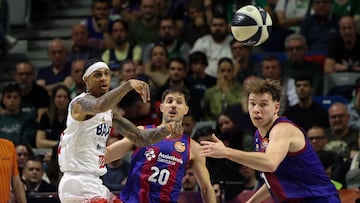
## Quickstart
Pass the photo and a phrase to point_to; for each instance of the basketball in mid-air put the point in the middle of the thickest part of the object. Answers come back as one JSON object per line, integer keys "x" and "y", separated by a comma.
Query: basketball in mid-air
{"x": 251, "y": 25}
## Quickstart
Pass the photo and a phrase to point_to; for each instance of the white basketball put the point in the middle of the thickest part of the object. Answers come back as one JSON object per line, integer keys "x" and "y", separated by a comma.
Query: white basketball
{"x": 251, "y": 25}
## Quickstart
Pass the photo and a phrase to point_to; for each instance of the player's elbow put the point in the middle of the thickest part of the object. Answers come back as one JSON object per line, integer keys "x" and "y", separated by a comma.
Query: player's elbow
{"x": 270, "y": 167}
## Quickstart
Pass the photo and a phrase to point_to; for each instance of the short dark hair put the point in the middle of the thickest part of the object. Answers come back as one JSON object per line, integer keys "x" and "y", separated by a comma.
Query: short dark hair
{"x": 178, "y": 59}
{"x": 123, "y": 22}
{"x": 12, "y": 87}
{"x": 100, "y": 1}
{"x": 198, "y": 57}
{"x": 181, "y": 90}
{"x": 303, "y": 78}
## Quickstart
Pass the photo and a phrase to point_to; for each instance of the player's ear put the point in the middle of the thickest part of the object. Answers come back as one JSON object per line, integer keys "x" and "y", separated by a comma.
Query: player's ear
{"x": 161, "y": 107}
{"x": 186, "y": 110}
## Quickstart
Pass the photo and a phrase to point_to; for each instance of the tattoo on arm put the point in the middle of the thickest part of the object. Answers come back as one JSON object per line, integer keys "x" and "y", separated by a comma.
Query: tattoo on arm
{"x": 139, "y": 137}
{"x": 91, "y": 105}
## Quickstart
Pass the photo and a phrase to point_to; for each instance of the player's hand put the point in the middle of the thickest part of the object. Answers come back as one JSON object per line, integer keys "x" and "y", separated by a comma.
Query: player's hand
{"x": 142, "y": 88}
{"x": 214, "y": 148}
{"x": 174, "y": 127}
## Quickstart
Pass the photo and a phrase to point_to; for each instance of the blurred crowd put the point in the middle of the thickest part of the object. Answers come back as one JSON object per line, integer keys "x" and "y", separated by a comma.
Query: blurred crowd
{"x": 189, "y": 43}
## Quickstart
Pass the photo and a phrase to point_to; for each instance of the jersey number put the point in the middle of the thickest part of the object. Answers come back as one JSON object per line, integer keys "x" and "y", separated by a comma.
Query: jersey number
{"x": 159, "y": 176}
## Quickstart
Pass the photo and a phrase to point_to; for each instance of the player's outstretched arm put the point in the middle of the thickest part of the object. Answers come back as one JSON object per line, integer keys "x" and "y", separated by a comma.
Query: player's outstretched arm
{"x": 118, "y": 150}
{"x": 90, "y": 105}
{"x": 143, "y": 137}
{"x": 202, "y": 174}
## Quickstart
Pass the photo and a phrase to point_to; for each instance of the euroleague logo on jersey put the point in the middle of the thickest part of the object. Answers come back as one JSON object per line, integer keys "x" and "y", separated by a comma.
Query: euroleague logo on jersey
{"x": 179, "y": 146}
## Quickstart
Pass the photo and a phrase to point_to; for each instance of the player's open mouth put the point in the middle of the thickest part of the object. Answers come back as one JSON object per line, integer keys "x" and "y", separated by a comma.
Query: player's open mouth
{"x": 172, "y": 112}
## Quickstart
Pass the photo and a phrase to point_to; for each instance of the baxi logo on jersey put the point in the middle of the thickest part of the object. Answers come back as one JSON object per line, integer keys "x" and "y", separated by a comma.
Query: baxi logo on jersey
{"x": 103, "y": 130}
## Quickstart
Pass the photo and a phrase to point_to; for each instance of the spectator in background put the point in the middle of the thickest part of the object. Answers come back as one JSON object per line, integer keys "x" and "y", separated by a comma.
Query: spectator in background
{"x": 341, "y": 138}
{"x": 225, "y": 93}
{"x": 75, "y": 83}
{"x": 117, "y": 171}
{"x": 10, "y": 178}
{"x": 53, "y": 122}
{"x": 198, "y": 24}
{"x": 353, "y": 174}
{"x": 215, "y": 45}
{"x": 354, "y": 107}
{"x": 169, "y": 37}
{"x": 328, "y": 162}
{"x": 317, "y": 137}
{"x": 126, "y": 9}
{"x": 344, "y": 52}
{"x": 140, "y": 113}
{"x": 219, "y": 191}
{"x": 126, "y": 72}
{"x": 98, "y": 25}
{"x": 251, "y": 180}
{"x": 157, "y": 70}
{"x": 189, "y": 183}
{"x": 32, "y": 175}
{"x": 34, "y": 98}
{"x": 144, "y": 30}
{"x": 271, "y": 69}
{"x": 290, "y": 14}
{"x": 243, "y": 64}
{"x": 321, "y": 27}
{"x": 58, "y": 70}
{"x": 197, "y": 76}
{"x": 296, "y": 65}
{"x": 122, "y": 49}
{"x": 23, "y": 153}
{"x": 177, "y": 71}
{"x": 189, "y": 122}
{"x": 79, "y": 47}
{"x": 306, "y": 113}
{"x": 15, "y": 125}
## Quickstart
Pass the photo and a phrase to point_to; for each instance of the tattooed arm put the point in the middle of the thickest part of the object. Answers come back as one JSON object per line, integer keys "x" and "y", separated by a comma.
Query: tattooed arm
{"x": 90, "y": 105}
{"x": 141, "y": 137}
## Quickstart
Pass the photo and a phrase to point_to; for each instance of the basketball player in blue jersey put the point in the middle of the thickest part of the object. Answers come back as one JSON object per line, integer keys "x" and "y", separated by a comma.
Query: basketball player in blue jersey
{"x": 157, "y": 170}
{"x": 290, "y": 168}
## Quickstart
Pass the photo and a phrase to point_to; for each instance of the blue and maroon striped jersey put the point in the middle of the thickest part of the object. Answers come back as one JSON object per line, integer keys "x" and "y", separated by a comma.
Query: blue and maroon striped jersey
{"x": 156, "y": 172}
{"x": 299, "y": 176}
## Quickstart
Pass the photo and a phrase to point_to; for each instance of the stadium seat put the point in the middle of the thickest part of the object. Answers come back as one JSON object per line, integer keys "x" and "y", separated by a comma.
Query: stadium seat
{"x": 340, "y": 84}
{"x": 326, "y": 101}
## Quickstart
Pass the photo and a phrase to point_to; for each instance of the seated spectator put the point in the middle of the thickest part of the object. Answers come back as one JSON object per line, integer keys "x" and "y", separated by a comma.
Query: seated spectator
{"x": 342, "y": 139}
{"x": 177, "y": 71}
{"x": 23, "y": 153}
{"x": 126, "y": 9}
{"x": 353, "y": 175}
{"x": 98, "y": 25}
{"x": 75, "y": 83}
{"x": 32, "y": 175}
{"x": 117, "y": 171}
{"x": 354, "y": 107}
{"x": 320, "y": 27}
{"x": 122, "y": 49}
{"x": 290, "y": 14}
{"x": 296, "y": 65}
{"x": 344, "y": 51}
{"x": 328, "y": 161}
{"x": 79, "y": 48}
{"x": 189, "y": 183}
{"x": 244, "y": 67}
{"x": 58, "y": 70}
{"x": 53, "y": 123}
{"x": 219, "y": 191}
{"x": 225, "y": 93}
{"x": 188, "y": 123}
{"x": 306, "y": 113}
{"x": 197, "y": 76}
{"x": 15, "y": 125}
{"x": 271, "y": 69}
{"x": 251, "y": 180}
{"x": 198, "y": 24}
{"x": 168, "y": 36}
{"x": 143, "y": 30}
{"x": 215, "y": 45}
{"x": 34, "y": 98}
{"x": 138, "y": 112}
{"x": 157, "y": 70}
